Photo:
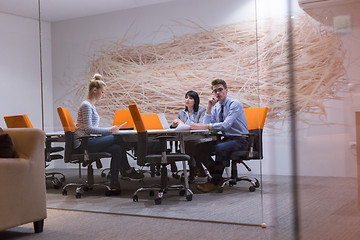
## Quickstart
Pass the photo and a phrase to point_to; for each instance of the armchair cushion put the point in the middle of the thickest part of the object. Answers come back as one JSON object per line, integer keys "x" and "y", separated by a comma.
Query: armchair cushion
{"x": 7, "y": 149}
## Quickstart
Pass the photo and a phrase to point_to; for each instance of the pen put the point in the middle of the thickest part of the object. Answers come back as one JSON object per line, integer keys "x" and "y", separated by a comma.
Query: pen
{"x": 122, "y": 124}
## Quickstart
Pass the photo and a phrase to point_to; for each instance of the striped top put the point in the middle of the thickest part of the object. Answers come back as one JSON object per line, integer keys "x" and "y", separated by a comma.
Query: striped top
{"x": 88, "y": 122}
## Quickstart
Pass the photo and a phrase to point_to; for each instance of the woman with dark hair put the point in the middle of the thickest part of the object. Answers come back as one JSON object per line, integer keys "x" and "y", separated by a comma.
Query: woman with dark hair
{"x": 193, "y": 113}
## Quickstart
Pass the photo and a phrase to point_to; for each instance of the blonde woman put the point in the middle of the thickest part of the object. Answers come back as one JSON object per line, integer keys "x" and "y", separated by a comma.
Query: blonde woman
{"x": 88, "y": 123}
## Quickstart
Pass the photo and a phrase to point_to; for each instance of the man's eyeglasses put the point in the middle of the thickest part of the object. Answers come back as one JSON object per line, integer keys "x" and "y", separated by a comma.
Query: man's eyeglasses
{"x": 217, "y": 90}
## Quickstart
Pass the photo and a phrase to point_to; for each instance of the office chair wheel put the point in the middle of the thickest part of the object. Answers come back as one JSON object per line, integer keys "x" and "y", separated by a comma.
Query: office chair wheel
{"x": 103, "y": 174}
{"x": 257, "y": 183}
{"x": 135, "y": 198}
{"x": 158, "y": 201}
{"x": 78, "y": 195}
{"x": 232, "y": 182}
{"x": 57, "y": 186}
{"x": 64, "y": 192}
{"x": 252, "y": 189}
{"x": 182, "y": 193}
{"x": 221, "y": 189}
{"x": 189, "y": 197}
{"x": 151, "y": 193}
{"x": 175, "y": 175}
{"x": 107, "y": 193}
{"x": 56, "y": 183}
{"x": 62, "y": 179}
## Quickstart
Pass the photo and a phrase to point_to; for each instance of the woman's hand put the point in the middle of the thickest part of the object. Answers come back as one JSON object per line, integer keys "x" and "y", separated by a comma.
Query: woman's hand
{"x": 114, "y": 129}
{"x": 176, "y": 122}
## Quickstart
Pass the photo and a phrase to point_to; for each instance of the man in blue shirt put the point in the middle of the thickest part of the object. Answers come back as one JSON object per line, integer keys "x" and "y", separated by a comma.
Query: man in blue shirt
{"x": 226, "y": 115}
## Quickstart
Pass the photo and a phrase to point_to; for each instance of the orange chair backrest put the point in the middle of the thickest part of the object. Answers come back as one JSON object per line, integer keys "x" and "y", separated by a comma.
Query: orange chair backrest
{"x": 18, "y": 121}
{"x": 122, "y": 116}
{"x": 137, "y": 118}
{"x": 255, "y": 117}
{"x": 152, "y": 121}
{"x": 66, "y": 119}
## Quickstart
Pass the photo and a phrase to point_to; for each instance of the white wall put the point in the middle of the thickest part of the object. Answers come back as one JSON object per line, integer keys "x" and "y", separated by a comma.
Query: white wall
{"x": 20, "y": 70}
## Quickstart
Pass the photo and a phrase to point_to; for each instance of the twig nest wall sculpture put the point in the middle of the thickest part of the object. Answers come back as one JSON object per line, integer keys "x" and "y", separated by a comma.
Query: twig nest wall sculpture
{"x": 156, "y": 77}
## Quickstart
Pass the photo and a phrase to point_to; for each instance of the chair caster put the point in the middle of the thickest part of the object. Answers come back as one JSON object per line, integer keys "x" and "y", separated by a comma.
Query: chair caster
{"x": 158, "y": 201}
{"x": 221, "y": 189}
{"x": 62, "y": 179}
{"x": 64, "y": 192}
{"x": 107, "y": 193}
{"x": 252, "y": 189}
{"x": 103, "y": 174}
{"x": 189, "y": 197}
{"x": 56, "y": 184}
{"x": 232, "y": 183}
{"x": 77, "y": 195}
{"x": 135, "y": 198}
{"x": 176, "y": 176}
{"x": 257, "y": 184}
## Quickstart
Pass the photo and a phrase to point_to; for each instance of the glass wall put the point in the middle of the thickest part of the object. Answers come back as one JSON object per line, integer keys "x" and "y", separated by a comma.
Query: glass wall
{"x": 152, "y": 55}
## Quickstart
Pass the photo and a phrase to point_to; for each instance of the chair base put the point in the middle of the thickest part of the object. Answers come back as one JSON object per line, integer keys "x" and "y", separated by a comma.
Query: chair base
{"x": 88, "y": 185}
{"x": 50, "y": 176}
{"x": 161, "y": 191}
{"x": 233, "y": 181}
{"x": 84, "y": 187}
{"x": 163, "y": 188}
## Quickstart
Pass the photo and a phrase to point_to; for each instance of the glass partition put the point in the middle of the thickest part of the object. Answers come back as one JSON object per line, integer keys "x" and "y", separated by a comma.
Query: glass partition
{"x": 153, "y": 55}
{"x": 19, "y": 63}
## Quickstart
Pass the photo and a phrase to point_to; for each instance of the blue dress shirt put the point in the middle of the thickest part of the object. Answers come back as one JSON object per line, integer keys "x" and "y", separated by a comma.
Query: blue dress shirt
{"x": 234, "y": 123}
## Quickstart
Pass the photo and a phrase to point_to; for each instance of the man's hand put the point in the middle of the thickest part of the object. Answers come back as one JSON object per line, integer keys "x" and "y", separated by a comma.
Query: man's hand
{"x": 197, "y": 126}
{"x": 211, "y": 103}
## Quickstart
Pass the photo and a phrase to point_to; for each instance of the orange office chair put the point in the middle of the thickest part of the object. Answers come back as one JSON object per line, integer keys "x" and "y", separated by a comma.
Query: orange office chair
{"x": 152, "y": 121}
{"x": 123, "y": 116}
{"x": 22, "y": 121}
{"x": 84, "y": 158}
{"x": 255, "y": 118}
{"x": 144, "y": 158}
{"x": 18, "y": 121}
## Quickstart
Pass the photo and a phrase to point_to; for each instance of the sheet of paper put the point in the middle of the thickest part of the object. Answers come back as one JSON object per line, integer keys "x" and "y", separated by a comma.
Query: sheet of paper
{"x": 182, "y": 127}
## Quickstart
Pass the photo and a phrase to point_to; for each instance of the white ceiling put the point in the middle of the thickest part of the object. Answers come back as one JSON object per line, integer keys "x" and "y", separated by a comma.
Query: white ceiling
{"x": 57, "y": 10}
